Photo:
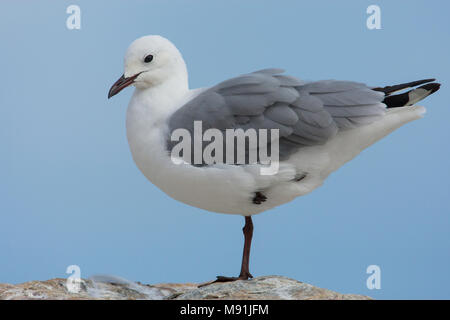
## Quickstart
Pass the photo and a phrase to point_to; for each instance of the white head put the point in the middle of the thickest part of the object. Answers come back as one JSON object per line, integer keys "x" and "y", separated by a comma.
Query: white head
{"x": 150, "y": 61}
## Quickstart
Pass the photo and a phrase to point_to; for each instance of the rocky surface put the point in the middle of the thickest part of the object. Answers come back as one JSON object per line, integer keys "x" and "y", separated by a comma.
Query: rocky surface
{"x": 106, "y": 287}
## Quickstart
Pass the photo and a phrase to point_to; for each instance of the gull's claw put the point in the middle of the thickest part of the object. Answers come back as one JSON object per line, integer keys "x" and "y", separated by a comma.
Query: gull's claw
{"x": 246, "y": 276}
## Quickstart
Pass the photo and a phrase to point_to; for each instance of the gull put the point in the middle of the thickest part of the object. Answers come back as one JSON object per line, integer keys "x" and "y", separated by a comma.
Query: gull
{"x": 321, "y": 125}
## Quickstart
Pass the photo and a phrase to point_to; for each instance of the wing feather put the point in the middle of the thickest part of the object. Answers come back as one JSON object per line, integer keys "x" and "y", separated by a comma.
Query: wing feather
{"x": 305, "y": 113}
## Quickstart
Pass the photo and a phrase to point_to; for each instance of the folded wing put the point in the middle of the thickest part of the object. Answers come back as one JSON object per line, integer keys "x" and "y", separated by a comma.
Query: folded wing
{"x": 304, "y": 113}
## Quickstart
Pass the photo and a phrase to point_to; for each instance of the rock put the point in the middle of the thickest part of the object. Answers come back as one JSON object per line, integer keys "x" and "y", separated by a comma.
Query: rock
{"x": 114, "y": 288}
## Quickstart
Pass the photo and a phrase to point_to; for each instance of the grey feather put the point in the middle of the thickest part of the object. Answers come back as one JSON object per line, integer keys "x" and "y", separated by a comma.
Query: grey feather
{"x": 350, "y": 97}
{"x": 242, "y": 119}
{"x": 308, "y": 102}
{"x": 319, "y": 119}
{"x": 289, "y": 81}
{"x": 282, "y": 113}
{"x": 329, "y": 86}
{"x": 356, "y": 111}
{"x": 305, "y": 114}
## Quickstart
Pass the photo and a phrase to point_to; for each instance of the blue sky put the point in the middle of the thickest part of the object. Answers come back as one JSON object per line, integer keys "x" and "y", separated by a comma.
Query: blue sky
{"x": 71, "y": 194}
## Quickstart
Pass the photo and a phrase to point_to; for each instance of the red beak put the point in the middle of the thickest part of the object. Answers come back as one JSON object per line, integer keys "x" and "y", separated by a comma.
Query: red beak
{"x": 121, "y": 84}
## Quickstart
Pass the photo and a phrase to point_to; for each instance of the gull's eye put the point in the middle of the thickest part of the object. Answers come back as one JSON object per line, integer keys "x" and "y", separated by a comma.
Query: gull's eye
{"x": 148, "y": 58}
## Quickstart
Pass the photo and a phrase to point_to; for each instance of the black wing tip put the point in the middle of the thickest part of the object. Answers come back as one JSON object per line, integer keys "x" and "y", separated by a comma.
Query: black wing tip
{"x": 426, "y": 80}
{"x": 401, "y": 100}
{"x": 391, "y": 89}
{"x": 432, "y": 87}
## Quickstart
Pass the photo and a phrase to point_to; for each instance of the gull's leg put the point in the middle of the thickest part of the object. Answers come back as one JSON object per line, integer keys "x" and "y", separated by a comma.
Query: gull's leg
{"x": 245, "y": 272}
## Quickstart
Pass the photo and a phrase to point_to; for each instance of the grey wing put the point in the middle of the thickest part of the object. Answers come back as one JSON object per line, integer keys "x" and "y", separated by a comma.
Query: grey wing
{"x": 304, "y": 113}
{"x": 351, "y": 104}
